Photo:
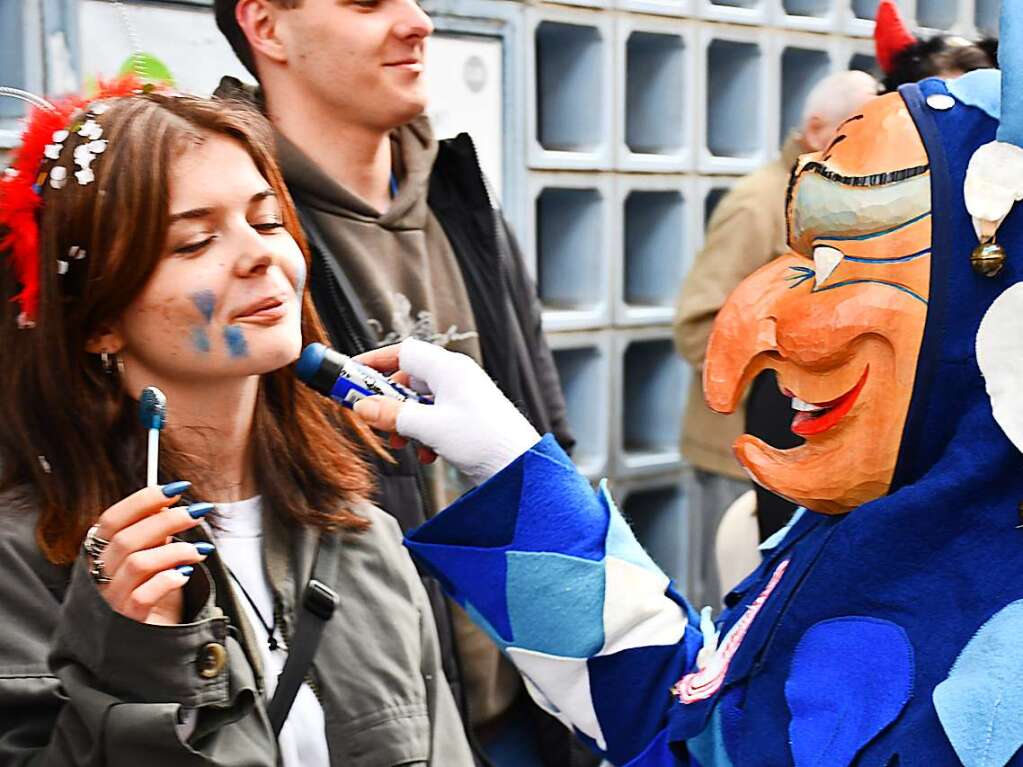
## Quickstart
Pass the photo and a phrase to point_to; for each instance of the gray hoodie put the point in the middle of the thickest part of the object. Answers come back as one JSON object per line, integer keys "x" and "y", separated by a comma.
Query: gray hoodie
{"x": 400, "y": 261}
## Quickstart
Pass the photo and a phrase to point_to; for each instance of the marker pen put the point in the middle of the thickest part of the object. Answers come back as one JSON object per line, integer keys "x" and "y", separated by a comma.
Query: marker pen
{"x": 339, "y": 376}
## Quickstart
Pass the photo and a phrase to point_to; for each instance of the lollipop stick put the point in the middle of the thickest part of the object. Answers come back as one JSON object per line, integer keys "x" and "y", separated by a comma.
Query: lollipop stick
{"x": 153, "y": 457}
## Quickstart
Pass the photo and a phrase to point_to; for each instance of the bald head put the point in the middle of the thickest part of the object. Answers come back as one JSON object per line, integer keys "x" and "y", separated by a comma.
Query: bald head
{"x": 832, "y": 101}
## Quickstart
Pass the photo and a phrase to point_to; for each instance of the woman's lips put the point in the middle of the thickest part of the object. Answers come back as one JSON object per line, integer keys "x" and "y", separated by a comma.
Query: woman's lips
{"x": 410, "y": 65}
{"x": 815, "y": 418}
{"x": 264, "y": 313}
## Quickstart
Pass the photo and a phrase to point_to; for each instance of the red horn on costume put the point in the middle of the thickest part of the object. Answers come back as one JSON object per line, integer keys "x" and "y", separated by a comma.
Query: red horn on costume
{"x": 891, "y": 34}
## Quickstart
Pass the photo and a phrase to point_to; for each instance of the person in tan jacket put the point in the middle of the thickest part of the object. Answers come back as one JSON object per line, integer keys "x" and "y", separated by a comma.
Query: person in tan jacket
{"x": 745, "y": 231}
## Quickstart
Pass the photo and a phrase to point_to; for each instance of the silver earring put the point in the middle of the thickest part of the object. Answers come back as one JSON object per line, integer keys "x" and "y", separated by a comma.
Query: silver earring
{"x": 111, "y": 362}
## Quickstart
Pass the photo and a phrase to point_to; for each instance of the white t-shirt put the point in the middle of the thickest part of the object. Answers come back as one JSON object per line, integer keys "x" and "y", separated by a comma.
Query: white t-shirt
{"x": 239, "y": 541}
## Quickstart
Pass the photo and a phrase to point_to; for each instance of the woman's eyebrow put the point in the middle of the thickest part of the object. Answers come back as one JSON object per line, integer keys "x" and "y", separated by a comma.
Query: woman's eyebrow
{"x": 190, "y": 214}
{"x": 195, "y": 213}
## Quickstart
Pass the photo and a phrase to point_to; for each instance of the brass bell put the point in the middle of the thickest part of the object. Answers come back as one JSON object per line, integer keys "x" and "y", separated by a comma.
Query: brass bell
{"x": 988, "y": 258}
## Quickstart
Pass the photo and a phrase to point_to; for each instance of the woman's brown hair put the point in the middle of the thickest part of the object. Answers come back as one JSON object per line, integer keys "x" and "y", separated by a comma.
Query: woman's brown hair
{"x": 68, "y": 428}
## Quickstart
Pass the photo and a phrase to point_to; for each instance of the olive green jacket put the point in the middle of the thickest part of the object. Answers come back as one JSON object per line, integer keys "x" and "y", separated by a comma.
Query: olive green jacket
{"x": 83, "y": 685}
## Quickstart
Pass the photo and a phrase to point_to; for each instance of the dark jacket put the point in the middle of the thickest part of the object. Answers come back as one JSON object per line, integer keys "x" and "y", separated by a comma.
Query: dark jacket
{"x": 515, "y": 355}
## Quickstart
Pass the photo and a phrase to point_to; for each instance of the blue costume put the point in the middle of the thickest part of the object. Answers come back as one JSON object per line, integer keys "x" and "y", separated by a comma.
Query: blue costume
{"x": 892, "y": 635}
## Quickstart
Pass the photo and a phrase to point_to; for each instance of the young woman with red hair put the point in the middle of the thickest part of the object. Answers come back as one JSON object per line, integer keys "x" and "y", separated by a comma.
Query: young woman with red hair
{"x": 151, "y": 242}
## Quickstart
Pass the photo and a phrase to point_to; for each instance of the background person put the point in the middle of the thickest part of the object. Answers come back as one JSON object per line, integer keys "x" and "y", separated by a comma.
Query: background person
{"x": 407, "y": 242}
{"x": 906, "y": 58}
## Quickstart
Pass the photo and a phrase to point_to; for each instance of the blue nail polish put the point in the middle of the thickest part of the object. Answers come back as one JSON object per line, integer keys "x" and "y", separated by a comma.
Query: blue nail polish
{"x": 197, "y": 510}
{"x": 185, "y": 570}
{"x": 204, "y": 549}
{"x": 175, "y": 488}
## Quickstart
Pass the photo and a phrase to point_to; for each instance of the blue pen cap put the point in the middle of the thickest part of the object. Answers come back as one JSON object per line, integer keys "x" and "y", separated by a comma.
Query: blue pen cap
{"x": 152, "y": 408}
{"x": 319, "y": 368}
{"x": 308, "y": 364}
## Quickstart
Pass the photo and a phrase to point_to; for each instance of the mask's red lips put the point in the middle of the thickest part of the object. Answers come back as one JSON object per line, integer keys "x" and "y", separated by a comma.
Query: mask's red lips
{"x": 825, "y": 415}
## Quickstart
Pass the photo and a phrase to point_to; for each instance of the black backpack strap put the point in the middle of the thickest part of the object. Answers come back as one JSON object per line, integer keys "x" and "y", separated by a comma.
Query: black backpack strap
{"x": 319, "y": 600}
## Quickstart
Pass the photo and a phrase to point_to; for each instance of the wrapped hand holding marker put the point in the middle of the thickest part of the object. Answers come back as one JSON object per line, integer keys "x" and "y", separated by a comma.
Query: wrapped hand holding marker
{"x": 471, "y": 425}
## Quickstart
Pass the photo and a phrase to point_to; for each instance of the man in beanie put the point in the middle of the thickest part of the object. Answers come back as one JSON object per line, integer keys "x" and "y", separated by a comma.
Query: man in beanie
{"x": 407, "y": 241}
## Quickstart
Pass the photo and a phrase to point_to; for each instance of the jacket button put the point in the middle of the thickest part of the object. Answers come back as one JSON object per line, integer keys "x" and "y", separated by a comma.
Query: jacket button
{"x": 211, "y": 660}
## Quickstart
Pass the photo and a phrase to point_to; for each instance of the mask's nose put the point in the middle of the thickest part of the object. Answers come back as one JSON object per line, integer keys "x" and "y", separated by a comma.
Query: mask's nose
{"x": 744, "y": 330}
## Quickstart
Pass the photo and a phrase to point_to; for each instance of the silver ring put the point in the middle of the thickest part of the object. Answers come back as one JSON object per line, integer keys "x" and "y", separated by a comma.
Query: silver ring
{"x": 94, "y": 545}
{"x": 97, "y": 572}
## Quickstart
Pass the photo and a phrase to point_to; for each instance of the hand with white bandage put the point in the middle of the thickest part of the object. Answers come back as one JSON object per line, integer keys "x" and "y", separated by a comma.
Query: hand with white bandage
{"x": 471, "y": 424}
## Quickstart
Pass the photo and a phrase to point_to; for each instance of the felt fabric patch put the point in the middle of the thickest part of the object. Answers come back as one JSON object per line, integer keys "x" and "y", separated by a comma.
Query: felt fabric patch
{"x": 636, "y": 611}
{"x": 621, "y": 541}
{"x": 539, "y": 502}
{"x": 630, "y": 694}
{"x": 558, "y": 510}
{"x": 1000, "y": 357}
{"x": 981, "y": 89}
{"x": 980, "y": 704}
{"x": 484, "y": 517}
{"x": 477, "y": 617}
{"x": 850, "y": 678}
{"x": 732, "y": 711}
{"x": 709, "y": 746}
{"x": 567, "y": 685}
{"x": 470, "y": 576}
{"x": 556, "y": 603}
{"x": 704, "y": 682}
{"x": 657, "y": 754}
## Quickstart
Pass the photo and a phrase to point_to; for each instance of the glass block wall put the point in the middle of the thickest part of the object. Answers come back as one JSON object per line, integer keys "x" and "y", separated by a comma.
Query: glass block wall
{"x": 622, "y": 124}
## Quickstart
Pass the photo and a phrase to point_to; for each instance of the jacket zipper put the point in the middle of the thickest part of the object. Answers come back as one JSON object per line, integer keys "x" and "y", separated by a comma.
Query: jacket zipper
{"x": 495, "y": 221}
{"x": 335, "y": 294}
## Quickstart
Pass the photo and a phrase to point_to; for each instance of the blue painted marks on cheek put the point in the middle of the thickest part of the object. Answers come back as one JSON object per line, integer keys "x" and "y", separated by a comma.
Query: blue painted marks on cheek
{"x": 200, "y": 339}
{"x": 236, "y": 343}
{"x": 205, "y": 301}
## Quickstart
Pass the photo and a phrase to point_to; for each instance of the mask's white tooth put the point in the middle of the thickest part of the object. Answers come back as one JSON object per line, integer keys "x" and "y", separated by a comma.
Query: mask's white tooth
{"x": 803, "y": 407}
{"x": 825, "y": 260}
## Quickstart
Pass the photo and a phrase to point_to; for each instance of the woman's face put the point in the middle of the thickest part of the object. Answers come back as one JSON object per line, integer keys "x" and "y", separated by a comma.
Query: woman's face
{"x": 225, "y": 300}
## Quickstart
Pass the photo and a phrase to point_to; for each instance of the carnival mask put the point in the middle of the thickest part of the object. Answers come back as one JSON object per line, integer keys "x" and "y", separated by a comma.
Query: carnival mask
{"x": 839, "y": 317}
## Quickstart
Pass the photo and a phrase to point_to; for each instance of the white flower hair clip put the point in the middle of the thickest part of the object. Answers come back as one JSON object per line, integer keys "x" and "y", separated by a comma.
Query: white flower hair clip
{"x": 58, "y": 177}
{"x": 86, "y": 153}
{"x": 52, "y": 151}
{"x": 74, "y": 253}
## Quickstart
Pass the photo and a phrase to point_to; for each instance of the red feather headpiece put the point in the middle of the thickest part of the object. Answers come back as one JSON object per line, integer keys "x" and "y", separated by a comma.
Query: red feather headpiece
{"x": 21, "y": 187}
{"x": 891, "y": 35}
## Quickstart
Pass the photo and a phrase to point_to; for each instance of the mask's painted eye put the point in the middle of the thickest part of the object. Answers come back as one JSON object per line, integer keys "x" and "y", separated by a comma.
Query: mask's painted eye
{"x": 825, "y": 260}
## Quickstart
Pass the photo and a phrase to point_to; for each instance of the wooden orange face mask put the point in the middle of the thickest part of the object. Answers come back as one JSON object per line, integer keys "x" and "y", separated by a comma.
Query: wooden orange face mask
{"x": 840, "y": 316}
